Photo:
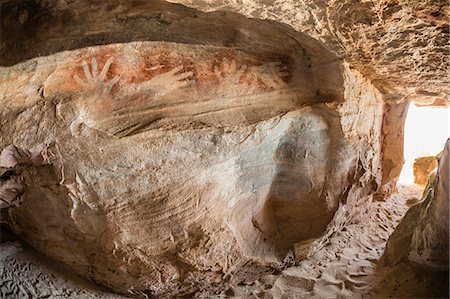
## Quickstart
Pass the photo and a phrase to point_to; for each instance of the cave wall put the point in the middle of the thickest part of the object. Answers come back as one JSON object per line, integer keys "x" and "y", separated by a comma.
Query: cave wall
{"x": 161, "y": 150}
{"x": 177, "y": 203}
{"x": 186, "y": 163}
{"x": 400, "y": 45}
{"x": 422, "y": 237}
{"x": 393, "y": 131}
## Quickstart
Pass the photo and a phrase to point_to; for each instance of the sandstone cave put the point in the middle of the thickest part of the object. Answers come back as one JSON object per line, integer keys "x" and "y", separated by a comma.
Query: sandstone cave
{"x": 224, "y": 149}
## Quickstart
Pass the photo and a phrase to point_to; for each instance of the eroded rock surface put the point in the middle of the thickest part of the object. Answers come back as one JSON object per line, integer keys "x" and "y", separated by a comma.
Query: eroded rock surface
{"x": 24, "y": 273}
{"x": 401, "y": 46}
{"x": 183, "y": 167}
{"x": 18, "y": 168}
{"x": 423, "y": 167}
{"x": 173, "y": 152}
{"x": 422, "y": 237}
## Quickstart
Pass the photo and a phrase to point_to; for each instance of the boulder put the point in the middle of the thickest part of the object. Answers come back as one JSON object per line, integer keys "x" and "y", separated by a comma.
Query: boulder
{"x": 423, "y": 167}
{"x": 177, "y": 152}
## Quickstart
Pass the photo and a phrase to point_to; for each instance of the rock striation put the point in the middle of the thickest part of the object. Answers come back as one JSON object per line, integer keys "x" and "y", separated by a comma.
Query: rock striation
{"x": 400, "y": 45}
{"x": 422, "y": 237}
{"x": 174, "y": 152}
{"x": 180, "y": 164}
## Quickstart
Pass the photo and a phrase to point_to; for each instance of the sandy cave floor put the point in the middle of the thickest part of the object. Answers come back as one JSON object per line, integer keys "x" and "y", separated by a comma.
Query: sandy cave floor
{"x": 346, "y": 267}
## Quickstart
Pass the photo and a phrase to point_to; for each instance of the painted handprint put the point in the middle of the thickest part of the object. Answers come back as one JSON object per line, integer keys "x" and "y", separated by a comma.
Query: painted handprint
{"x": 126, "y": 109}
{"x": 159, "y": 85}
{"x": 132, "y": 107}
{"x": 270, "y": 75}
{"x": 95, "y": 81}
{"x": 229, "y": 76}
{"x": 165, "y": 83}
{"x": 246, "y": 80}
{"x": 229, "y": 71}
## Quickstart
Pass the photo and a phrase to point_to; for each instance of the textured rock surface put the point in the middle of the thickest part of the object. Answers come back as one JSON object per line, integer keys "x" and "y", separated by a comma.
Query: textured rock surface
{"x": 175, "y": 168}
{"x": 423, "y": 168}
{"x": 152, "y": 211}
{"x": 422, "y": 237}
{"x": 159, "y": 150}
{"x": 400, "y": 45}
{"x": 394, "y": 118}
{"x": 346, "y": 266}
{"x": 25, "y": 273}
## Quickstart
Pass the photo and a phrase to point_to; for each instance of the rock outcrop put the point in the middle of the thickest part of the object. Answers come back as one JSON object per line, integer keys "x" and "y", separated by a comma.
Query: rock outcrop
{"x": 400, "y": 45}
{"x": 423, "y": 167}
{"x": 163, "y": 151}
{"x": 422, "y": 238}
{"x": 188, "y": 162}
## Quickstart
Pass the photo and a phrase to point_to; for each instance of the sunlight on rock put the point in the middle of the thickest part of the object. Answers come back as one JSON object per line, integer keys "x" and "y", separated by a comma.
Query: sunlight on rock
{"x": 426, "y": 131}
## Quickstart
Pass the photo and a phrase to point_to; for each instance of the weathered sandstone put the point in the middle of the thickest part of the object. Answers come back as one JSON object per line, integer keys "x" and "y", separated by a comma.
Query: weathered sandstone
{"x": 174, "y": 166}
{"x": 159, "y": 150}
{"x": 423, "y": 168}
{"x": 422, "y": 237}
{"x": 400, "y": 45}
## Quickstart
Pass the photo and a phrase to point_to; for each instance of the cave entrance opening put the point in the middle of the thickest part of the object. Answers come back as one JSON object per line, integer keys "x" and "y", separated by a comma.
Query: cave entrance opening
{"x": 426, "y": 131}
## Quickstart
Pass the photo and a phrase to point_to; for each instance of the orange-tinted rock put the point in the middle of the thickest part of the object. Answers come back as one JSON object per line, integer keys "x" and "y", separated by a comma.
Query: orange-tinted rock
{"x": 423, "y": 168}
{"x": 172, "y": 173}
{"x": 183, "y": 152}
{"x": 399, "y": 45}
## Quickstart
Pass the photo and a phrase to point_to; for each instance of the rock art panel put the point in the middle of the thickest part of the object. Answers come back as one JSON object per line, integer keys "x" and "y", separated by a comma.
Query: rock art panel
{"x": 170, "y": 94}
{"x": 183, "y": 167}
{"x": 126, "y": 89}
{"x": 162, "y": 151}
{"x": 400, "y": 45}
